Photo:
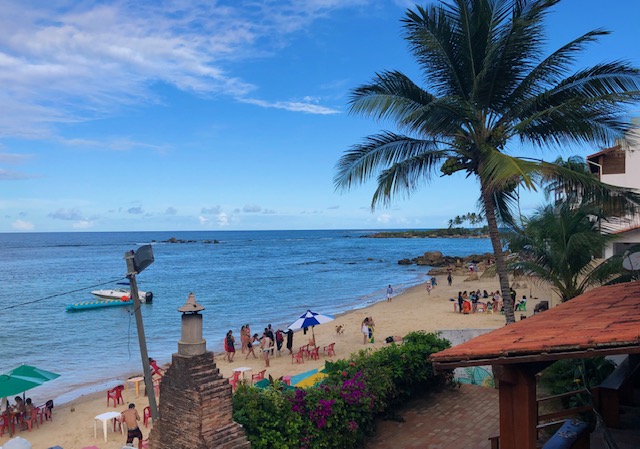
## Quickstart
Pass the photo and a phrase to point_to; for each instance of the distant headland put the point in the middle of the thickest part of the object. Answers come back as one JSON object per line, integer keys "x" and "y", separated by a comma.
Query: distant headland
{"x": 450, "y": 233}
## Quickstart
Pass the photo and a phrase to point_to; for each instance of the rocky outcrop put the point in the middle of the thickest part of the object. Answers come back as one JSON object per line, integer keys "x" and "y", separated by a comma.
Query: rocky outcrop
{"x": 442, "y": 264}
{"x": 177, "y": 240}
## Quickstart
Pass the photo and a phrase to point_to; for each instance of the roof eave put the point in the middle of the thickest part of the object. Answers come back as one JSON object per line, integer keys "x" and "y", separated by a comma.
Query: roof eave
{"x": 630, "y": 348}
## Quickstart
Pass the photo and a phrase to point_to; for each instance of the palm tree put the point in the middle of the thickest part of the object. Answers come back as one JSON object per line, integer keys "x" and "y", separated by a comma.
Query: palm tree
{"x": 559, "y": 244}
{"x": 486, "y": 86}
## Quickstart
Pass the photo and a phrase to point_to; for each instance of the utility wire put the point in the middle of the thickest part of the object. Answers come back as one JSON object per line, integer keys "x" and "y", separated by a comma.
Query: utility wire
{"x": 61, "y": 294}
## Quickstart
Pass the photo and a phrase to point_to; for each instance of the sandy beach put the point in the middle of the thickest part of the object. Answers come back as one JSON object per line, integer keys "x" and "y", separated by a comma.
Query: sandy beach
{"x": 415, "y": 309}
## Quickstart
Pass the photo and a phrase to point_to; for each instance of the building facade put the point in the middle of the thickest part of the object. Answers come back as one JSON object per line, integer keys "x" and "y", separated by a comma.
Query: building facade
{"x": 620, "y": 166}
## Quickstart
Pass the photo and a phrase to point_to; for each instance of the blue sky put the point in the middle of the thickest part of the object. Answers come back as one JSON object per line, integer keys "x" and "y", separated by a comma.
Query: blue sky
{"x": 212, "y": 115}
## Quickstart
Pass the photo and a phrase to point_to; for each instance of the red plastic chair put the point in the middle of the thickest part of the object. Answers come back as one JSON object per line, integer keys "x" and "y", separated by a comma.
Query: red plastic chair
{"x": 234, "y": 380}
{"x": 4, "y": 423}
{"x": 305, "y": 350}
{"x": 146, "y": 415}
{"x": 329, "y": 350}
{"x": 314, "y": 353}
{"x": 258, "y": 376}
{"x": 298, "y": 357}
{"x": 116, "y": 394}
{"x": 156, "y": 369}
{"x": 32, "y": 419}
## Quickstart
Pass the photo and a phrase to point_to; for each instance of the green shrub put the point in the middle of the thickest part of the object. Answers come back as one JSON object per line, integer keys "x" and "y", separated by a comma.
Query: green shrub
{"x": 570, "y": 375}
{"x": 340, "y": 411}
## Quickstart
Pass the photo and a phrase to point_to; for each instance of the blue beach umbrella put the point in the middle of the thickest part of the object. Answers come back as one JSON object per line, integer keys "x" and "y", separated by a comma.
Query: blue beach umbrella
{"x": 310, "y": 319}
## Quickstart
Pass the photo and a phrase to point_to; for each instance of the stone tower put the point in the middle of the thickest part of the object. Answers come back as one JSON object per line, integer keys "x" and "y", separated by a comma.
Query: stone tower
{"x": 195, "y": 409}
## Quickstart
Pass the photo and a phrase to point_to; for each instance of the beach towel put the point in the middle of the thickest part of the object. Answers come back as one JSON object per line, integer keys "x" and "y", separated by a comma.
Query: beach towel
{"x": 371, "y": 338}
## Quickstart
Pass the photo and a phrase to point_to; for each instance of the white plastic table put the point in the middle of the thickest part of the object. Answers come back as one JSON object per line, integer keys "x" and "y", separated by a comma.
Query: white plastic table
{"x": 243, "y": 369}
{"x": 105, "y": 418}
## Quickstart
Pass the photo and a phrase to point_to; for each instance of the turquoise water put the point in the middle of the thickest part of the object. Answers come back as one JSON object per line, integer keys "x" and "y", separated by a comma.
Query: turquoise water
{"x": 255, "y": 277}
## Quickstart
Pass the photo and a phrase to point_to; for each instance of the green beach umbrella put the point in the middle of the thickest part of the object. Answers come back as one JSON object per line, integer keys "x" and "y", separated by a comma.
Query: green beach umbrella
{"x": 11, "y": 385}
{"x": 32, "y": 372}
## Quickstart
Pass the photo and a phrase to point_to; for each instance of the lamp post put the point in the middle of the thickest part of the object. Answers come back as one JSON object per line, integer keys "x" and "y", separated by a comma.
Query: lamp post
{"x": 136, "y": 262}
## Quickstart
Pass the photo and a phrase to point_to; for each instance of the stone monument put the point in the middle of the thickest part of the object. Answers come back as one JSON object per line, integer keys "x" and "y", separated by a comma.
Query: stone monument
{"x": 196, "y": 408}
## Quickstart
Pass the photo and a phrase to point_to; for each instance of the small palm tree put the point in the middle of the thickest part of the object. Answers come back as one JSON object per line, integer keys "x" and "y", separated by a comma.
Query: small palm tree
{"x": 487, "y": 85}
{"x": 558, "y": 246}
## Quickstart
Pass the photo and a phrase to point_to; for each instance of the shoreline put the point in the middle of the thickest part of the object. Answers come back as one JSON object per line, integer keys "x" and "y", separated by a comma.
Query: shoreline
{"x": 411, "y": 310}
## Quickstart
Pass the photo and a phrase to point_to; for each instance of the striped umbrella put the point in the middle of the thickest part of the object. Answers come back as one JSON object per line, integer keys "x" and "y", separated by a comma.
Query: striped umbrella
{"x": 310, "y": 319}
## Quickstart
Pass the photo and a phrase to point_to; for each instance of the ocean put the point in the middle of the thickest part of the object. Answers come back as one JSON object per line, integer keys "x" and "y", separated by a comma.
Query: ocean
{"x": 256, "y": 277}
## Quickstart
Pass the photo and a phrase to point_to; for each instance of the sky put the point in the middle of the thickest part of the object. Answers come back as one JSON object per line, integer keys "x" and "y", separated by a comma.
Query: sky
{"x": 170, "y": 115}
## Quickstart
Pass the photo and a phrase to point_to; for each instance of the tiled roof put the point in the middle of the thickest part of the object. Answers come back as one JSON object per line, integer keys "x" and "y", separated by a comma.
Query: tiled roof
{"x": 603, "y": 320}
{"x": 605, "y": 151}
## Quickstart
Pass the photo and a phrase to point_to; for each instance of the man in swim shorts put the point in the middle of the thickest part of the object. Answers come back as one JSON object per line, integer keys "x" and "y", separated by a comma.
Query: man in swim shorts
{"x": 266, "y": 344}
{"x": 131, "y": 418}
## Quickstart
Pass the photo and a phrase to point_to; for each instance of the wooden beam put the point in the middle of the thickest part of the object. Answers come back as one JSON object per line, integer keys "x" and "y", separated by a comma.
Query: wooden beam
{"x": 518, "y": 407}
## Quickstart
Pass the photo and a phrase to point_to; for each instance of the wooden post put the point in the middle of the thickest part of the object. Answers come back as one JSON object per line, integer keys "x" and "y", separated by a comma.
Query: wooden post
{"x": 518, "y": 407}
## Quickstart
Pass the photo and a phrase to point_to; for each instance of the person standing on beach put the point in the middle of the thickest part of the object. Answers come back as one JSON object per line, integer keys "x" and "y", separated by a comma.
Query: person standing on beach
{"x": 449, "y": 279}
{"x": 365, "y": 330}
{"x": 279, "y": 340}
{"x": 389, "y": 293}
{"x": 429, "y": 287}
{"x": 371, "y": 326}
{"x": 230, "y": 346}
{"x": 289, "y": 340}
{"x": 266, "y": 344}
{"x": 250, "y": 347}
{"x": 131, "y": 418}
{"x": 243, "y": 345}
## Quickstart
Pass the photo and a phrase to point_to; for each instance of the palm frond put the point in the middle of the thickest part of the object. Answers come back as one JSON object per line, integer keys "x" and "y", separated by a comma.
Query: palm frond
{"x": 615, "y": 201}
{"x": 516, "y": 40}
{"x": 405, "y": 177}
{"x": 502, "y": 171}
{"x": 547, "y": 73}
{"x": 588, "y": 107}
{"x": 380, "y": 151}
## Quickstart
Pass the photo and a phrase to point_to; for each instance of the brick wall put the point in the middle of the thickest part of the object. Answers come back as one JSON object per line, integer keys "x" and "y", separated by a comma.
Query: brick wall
{"x": 196, "y": 408}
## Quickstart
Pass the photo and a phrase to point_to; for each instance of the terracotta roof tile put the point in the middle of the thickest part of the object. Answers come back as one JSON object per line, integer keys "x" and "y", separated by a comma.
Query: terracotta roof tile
{"x": 605, "y": 317}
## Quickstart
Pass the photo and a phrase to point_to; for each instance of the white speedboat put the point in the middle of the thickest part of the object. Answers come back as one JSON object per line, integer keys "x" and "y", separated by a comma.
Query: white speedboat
{"x": 123, "y": 294}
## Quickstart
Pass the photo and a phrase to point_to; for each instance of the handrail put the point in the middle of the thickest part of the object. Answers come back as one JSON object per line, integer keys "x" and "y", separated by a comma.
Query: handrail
{"x": 563, "y": 395}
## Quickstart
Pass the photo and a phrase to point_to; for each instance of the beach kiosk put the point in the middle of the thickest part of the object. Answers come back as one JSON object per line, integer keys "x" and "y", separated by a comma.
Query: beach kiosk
{"x": 604, "y": 321}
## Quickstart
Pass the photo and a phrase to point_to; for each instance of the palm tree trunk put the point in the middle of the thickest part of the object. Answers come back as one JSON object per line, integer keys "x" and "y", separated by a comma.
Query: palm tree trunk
{"x": 501, "y": 264}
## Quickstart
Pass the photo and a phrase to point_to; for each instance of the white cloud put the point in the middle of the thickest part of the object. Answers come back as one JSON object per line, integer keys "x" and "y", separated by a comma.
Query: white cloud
{"x": 294, "y": 106}
{"x": 222, "y": 219}
{"x": 137, "y": 210}
{"x": 251, "y": 208}
{"x": 65, "y": 62}
{"x": 22, "y": 225}
{"x": 211, "y": 210}
{"x": 171, "y": 211}
{"x": 203, "y": 220}
{"x": 14, "y": 158}
{"x": 67, "y": 214}
{"x": 10, "y": 175}
{"x": 83, "y": 224}
{"x": 383, "y": 218}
